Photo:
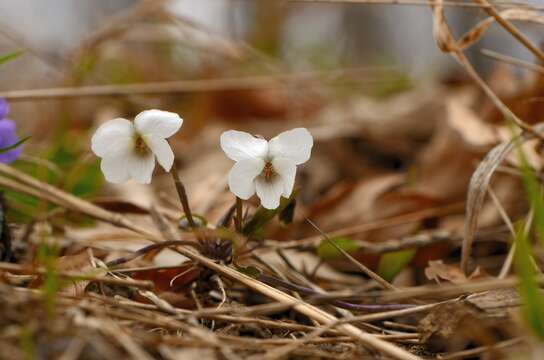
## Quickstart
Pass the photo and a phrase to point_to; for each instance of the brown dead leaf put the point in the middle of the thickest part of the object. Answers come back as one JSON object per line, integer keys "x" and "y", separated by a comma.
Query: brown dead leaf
{"x": 468, "y": 124}
{"x": 437, "y": 270}
{"x": 454, "y": 326}
{"x": 496, "y": 302}
{"x": 445, "y": 165}
{"x": 170, "y": 279}
{"x": 359, "y": 205}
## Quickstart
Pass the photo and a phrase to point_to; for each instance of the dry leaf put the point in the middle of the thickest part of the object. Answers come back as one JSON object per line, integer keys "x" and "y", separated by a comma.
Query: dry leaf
{"x": 478, "y": 188}
{"x": 437, "y": 270}
{"x": 454, "y": 326}
{"x": 465, "y": 121}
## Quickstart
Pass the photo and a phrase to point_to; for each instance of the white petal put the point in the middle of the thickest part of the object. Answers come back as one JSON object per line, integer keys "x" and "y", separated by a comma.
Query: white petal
{"x": 141, "y": 168}
{"x": 269, "y": 191}
{"x": 239, "y": 145}
{"x": 157, "y": 123}
{"x": 162, "y": 150}
{"x": 115, "y": 169}
{"x": 242, "y": 177}
{"x": 113, "y": 138}
{"x": 287, "y": 170}
{"x": 294, "y": 144}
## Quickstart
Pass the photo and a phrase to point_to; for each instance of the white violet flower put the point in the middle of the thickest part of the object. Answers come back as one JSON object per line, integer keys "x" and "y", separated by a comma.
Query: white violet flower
{"x": 266, "y": 167}
{"x": 128, "y": 149}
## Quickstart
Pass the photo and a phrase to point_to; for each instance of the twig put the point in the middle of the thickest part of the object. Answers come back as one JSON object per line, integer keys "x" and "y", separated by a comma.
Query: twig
{"x": 409, "y": 242}
{"x": 440, "y": 291}
{"x": 145, "y": 250}
{"x": 471, "y": 353}
{"x": 216, "y": 314}
{"x": 393, "y": 313}
{"x": 319, "y": 296}
{"x": 508, "y": 26}
{"x": 311, "y": 311}
{"x": 381, "y": 281}
{"x": 169, "y": 87}
{"x": 511, "y": 252}
{"x": 285, "y": 350}
{"x": 407, "y": 2}
{"x": 180, "y": 188}
{"x": 77, "y": 276}
{"x": 221, "y": 287}
{"x": 42, "y": 190}
{"x": 455, "y": 208}
{"x": 513, "y": 61}
{"x": 399, "y": 326}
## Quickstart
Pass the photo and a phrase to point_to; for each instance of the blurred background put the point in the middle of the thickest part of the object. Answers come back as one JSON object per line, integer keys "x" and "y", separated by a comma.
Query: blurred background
{"x": 399, "y": 126}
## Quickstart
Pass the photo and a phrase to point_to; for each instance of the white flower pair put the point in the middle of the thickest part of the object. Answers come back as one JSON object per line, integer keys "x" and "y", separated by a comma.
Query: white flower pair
{"x": 128, "y": 150}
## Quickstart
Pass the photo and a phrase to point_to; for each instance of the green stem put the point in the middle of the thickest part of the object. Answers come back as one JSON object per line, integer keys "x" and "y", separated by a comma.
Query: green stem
{"x": 180, "y": 188}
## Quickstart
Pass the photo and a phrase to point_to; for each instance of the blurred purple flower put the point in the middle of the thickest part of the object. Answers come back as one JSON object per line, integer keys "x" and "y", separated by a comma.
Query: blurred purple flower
{"x": 4, "y": 108}
{"x": 8, "y": 137}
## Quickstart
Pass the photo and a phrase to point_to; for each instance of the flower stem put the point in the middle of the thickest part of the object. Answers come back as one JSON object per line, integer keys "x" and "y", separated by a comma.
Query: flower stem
{"x": 239, "y": 212}
{"x": 180, "y": 188}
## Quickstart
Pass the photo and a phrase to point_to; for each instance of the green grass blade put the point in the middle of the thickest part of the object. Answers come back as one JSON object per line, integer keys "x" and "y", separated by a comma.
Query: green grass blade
{"x": 14, "y": 146}
{"x": 10, "y": 56}
{"x": 529, "y": 291}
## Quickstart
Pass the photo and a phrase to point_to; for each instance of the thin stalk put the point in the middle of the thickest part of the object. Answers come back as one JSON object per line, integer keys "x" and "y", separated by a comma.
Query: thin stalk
{"x": 239, "y": 214}
{"x": 180, "y": 188}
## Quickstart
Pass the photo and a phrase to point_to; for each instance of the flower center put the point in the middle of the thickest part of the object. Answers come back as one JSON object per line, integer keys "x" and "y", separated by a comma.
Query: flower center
{"x": 268, "y": 171}
{"x": 140, "y": 147}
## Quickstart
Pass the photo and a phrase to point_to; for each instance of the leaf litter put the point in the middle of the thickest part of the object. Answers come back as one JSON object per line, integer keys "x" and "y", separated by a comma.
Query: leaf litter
{"x": 389, "y": 247}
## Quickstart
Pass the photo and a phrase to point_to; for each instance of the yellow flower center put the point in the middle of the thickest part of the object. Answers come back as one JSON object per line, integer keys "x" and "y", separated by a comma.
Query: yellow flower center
{"x": 268, "y": 171}
{"x": 140, "y": 147}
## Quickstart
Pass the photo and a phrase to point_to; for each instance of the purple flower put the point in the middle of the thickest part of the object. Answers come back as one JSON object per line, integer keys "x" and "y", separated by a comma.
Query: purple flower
{"x": 8, "y": 137}
{"x": 4, "y": 108}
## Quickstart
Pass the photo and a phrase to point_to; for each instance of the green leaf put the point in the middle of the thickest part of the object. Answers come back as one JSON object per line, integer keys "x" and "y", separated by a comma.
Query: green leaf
{"x": 263, "y": 216}
{"x": 14, "y": 146}
{"x": 10, "y": 56}
{"x": 529, "y": 291}
{"x": 250, "y": 271}
{"x": 534, "y": 193}
{"x": 327, "y": 251}
{"x": 391, "y": 264}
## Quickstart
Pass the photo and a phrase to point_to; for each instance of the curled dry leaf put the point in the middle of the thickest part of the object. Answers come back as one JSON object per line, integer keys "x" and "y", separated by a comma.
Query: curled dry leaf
{"x": 437, "y": 270}
{"x": 476, "y": 33}
{"x": 478, "y": 188}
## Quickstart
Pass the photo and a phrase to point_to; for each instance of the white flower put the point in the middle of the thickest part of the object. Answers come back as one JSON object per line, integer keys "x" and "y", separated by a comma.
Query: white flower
{"x": 266, "y": 167}
{"x": 128, "y": 149}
